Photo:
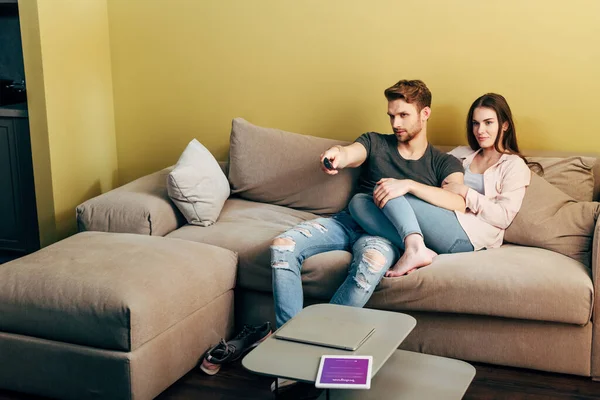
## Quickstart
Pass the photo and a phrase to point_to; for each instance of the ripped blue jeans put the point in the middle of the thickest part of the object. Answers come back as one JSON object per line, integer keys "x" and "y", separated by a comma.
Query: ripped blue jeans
{"x": 371, "y": 257}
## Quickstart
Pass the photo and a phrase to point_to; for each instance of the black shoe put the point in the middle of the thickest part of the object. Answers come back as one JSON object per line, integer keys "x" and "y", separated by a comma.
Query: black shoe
{"x": 224, "y": 352}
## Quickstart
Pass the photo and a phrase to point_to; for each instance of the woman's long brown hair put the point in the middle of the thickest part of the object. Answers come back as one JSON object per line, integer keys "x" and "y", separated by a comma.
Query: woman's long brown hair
{"x": 509, "y": 143}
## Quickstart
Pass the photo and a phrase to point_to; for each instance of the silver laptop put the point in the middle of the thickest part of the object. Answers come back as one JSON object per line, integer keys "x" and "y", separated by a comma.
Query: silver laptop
{"x": 323, "y": 331}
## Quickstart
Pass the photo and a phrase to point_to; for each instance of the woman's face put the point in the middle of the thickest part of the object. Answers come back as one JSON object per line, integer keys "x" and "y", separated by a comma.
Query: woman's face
{"x": 485, "y": 126}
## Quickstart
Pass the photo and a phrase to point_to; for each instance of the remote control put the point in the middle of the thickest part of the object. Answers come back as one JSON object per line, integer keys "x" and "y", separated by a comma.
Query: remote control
{"x": 327, "y": 163}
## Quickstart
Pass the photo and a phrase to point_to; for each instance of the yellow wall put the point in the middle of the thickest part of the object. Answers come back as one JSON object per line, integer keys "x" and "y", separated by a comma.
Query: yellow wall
{"x": 38, "y": 123}
{"x": 68, "y": 71}
{"x": 184, "y": 69}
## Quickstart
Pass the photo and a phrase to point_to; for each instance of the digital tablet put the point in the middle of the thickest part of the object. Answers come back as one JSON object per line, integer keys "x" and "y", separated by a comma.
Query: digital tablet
{"x": 344, "y": 372}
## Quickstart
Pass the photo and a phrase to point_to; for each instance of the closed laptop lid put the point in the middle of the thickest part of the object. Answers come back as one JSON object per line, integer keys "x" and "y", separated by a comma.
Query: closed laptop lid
{"x": 323, "y": 331}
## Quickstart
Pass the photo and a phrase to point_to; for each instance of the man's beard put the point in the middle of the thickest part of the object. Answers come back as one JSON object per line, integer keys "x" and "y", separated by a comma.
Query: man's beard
{"x": 412, "y": 133}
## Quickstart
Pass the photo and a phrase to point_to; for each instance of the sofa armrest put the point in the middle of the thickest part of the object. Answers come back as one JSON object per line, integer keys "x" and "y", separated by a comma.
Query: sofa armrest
{"x": 142, "y": 206}
{"x": 596, "y": 306}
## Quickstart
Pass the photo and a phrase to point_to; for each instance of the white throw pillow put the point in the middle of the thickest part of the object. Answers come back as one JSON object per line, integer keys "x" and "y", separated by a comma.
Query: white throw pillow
{"x": 198, "y": 186}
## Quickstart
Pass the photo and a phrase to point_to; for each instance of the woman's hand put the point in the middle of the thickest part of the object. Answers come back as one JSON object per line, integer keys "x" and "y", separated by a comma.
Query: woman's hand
{"x": 389, "y": 188}
{"x": 457, "y": 188}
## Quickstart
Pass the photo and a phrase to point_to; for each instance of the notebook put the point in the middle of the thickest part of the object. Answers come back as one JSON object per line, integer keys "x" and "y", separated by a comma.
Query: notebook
{"x": 326, "y": 331}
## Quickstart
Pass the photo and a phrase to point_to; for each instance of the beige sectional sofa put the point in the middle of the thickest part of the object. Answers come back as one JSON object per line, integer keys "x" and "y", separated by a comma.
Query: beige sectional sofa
{"x": 516, "y": 305}
{"x": 112, "y": 316}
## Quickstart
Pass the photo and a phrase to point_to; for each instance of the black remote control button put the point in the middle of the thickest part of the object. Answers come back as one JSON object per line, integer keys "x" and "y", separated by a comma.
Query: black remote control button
{"x": 327, "y": 163}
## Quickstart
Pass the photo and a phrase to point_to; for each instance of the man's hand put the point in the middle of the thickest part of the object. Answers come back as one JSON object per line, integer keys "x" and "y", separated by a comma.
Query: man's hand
{"x": 389, "y": 188}
{"x": 456, "y": 188}
{"x": 334, "y": 155}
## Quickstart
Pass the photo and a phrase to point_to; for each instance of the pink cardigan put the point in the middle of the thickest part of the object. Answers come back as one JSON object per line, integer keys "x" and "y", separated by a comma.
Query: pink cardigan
{"x": 488, "y": 215}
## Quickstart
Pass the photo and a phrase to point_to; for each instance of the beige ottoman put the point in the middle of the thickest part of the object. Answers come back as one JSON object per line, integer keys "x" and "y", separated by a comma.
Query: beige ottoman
{"x": 112, "y": 315}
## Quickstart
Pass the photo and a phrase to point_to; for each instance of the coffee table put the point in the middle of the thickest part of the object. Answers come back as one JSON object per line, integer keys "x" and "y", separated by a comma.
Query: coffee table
{"x": 300, "y": 361}
{"x": 403, "y": 374}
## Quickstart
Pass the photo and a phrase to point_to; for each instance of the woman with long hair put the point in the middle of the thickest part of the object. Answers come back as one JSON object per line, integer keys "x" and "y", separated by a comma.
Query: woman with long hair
{"x": 496, "y": 177}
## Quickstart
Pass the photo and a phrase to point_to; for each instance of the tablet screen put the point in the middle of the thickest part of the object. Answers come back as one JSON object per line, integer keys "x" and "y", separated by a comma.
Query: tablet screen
{"x": 344, "y": 372}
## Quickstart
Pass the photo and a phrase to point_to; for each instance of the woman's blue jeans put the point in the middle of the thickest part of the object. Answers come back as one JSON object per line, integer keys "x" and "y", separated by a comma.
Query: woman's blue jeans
{"x": 408, "y": 214}
{"x": 371, "y": 258}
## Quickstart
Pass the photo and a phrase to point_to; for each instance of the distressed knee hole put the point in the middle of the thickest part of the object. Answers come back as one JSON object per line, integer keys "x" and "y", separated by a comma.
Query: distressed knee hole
{"x": 317, "y": 226}
{"x": 362, "y": 282}
{"x": 304, "y": 231}
{"x": 283, "y": 244}
{"x": 281, "y": 264}
{"x": 374, "y": 260}
{"x": 378, "y": 244}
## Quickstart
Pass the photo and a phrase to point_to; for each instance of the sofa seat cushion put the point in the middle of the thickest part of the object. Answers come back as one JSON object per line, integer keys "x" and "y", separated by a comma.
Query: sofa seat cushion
{"x": 510, "y": 281}
{"x": 248, "y": 228}
{"x": 111, "y": 291}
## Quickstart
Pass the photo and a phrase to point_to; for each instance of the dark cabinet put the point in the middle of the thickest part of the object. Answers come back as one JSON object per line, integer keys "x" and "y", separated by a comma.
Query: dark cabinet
{"x": 19, "y": 234}
{"x": 18, "y": 217}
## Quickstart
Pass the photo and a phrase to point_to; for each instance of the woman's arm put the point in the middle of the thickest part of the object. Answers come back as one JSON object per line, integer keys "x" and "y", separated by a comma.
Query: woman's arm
{"x": 500, "y": 211}
{"x": 440, "y": 197}
{"x": 389, "y": 188}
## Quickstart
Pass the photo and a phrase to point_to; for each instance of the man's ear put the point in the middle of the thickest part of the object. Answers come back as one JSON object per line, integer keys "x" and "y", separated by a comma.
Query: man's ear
{"x": 425, "y": 113}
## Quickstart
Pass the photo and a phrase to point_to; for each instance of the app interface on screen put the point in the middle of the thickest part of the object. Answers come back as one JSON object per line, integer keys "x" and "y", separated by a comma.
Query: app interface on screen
{"x": 345, "y": 370}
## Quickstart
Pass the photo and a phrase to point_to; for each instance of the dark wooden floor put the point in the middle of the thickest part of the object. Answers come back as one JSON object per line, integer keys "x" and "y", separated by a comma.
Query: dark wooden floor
{"x": 491, "y": 382}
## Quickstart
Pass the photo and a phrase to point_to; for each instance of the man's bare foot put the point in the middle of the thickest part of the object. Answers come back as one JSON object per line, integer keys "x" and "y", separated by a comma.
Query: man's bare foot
{"x": 411, "y": 260}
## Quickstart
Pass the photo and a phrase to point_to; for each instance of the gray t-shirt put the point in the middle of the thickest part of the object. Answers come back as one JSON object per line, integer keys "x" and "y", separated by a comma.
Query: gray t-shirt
{"x": 384, "y": 161}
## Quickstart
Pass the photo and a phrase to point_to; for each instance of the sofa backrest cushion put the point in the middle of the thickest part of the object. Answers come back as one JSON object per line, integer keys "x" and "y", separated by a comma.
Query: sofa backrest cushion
{"x": 572, "y": 175}
{"x": 596, "y": 173}
{"x": 553, "y": 220}
{"x": 282, "y": 168}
